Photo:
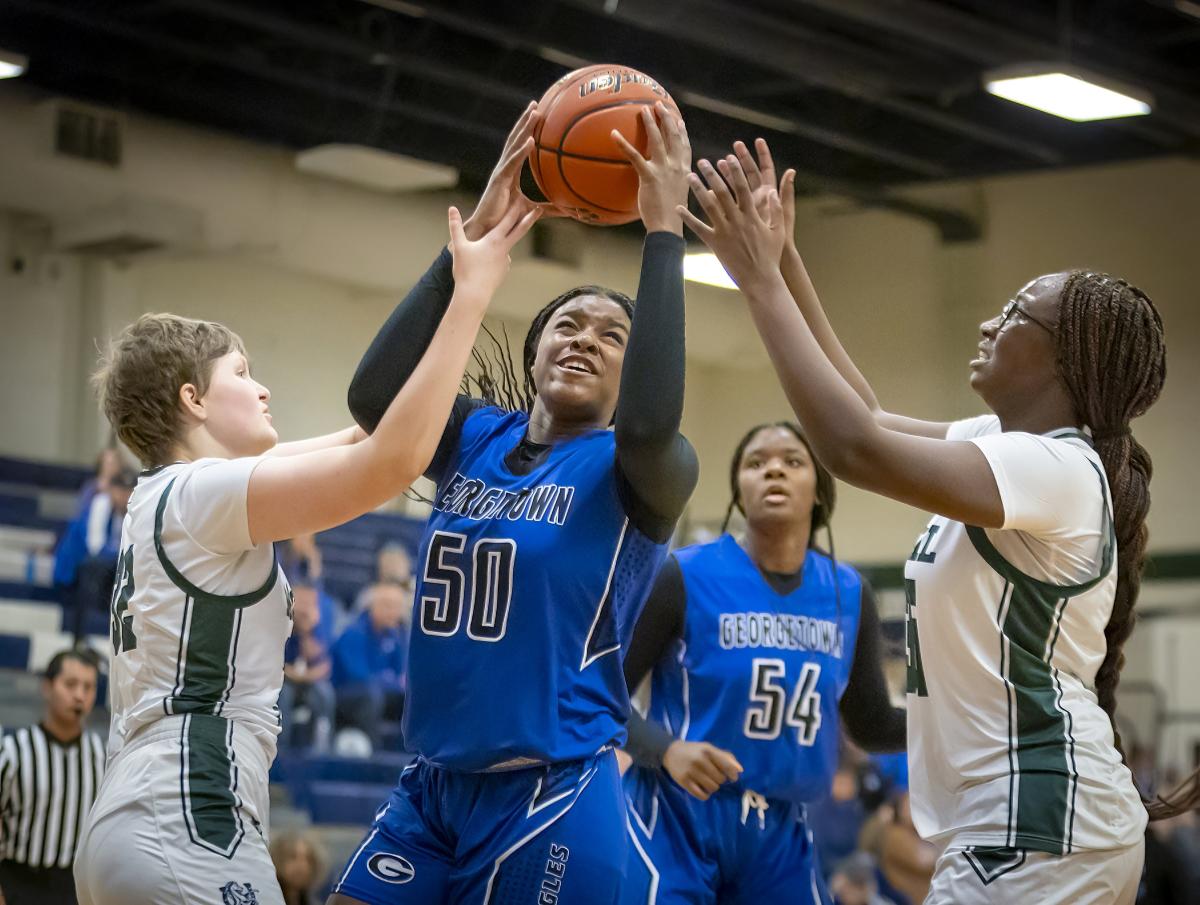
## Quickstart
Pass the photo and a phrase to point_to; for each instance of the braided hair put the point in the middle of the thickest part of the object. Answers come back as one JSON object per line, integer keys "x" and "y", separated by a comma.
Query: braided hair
{"x": 495, "y": 378}
{"x": 1111, "y": 355}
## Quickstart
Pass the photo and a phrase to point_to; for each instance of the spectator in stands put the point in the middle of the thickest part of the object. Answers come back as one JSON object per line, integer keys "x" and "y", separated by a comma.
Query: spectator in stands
{"x": 49, "y": 773}
{"x": 369, "y": 660}
{"x": 300, "y": 865}
{"x": 302, "y": 557}
{"x": 85, "y": 562}
{"x": 837, "y": 820}
{"x": 307, "y": 689}
{"x": 853, "y": 882}
{"x": 109, "y": 463}
{"x": 392, "y": 564}
{"x": 905, "y": 859}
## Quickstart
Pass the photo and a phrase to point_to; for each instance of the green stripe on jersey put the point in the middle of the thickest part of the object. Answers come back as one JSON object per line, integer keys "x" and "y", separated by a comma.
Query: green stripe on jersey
{"x": 1044, "y": 744}
{"x": 1044, "y": 773}
{"x": 208, "y": 636}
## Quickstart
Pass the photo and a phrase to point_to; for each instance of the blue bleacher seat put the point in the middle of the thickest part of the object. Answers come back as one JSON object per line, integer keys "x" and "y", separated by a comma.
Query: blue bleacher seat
{"x": 14, "y": 652}
{"x": 347, "y": 802}
{"x": 21, "y": 590}
{"x": 306, "y": 775}
{"x": 43, "y": 474}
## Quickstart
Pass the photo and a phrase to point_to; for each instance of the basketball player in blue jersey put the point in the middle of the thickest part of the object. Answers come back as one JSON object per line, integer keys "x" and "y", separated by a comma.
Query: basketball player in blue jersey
{"x": 757, "y": 646}
{"x": 549, "y": 521}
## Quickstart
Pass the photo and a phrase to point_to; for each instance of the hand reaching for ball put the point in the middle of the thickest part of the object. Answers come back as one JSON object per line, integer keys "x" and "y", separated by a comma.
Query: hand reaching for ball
{"x": 760, "y": 174}
{"x": 746, "y": 240}
{"x": 663, "y": 176}
{"x": 503, "y": 192}
{"x": 481, "y": 264}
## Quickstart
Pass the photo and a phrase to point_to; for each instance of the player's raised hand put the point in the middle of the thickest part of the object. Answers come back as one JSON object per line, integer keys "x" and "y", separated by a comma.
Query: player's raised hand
{"x": 480, "y": 265}
{"x": 503, "y": 191}
{"x": 700, "y": 768}
{"x": 760, "y": 174}
{"x": 749, "y": 243}
{"x": 662, "y": 177}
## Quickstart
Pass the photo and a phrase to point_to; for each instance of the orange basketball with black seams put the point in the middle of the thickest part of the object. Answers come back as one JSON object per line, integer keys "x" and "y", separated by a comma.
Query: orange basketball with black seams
{"x": 575, "y": 161}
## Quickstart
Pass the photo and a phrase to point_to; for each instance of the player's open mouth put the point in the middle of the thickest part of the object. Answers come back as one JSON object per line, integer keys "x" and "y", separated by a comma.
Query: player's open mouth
{"x": 776, "y": 495}
{"x": 576, "y": 364}
{"x": 985, "y": 354}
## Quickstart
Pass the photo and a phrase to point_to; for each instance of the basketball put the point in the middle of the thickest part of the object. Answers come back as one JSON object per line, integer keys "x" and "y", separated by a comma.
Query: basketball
{"x": 575, "y": 161}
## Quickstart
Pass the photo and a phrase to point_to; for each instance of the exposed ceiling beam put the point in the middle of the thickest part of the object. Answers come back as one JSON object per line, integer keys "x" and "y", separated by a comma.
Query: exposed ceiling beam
{"x": 316, "y": 85}
{"x": 991, "y": 44}
{"x": 952, "y": 225}
{"x": 760, "y": 39}
{"x": 364, "y": 52}
{"x": 828, "y": 137}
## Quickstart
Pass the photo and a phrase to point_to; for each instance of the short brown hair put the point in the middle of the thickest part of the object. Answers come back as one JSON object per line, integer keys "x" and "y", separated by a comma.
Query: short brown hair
{"x": 140, "y": 377}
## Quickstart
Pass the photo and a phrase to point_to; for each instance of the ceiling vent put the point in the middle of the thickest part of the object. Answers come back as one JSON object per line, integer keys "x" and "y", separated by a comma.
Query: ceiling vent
{"x": 81, "y": 132}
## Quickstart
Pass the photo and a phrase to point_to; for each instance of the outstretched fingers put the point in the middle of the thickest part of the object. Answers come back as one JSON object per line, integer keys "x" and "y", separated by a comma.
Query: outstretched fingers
{"x": 754, "y": 174}
{"x": 706, "y": 198}
{"x": 457, "y": 237}
{"x": 521, "y": 128}
{"x": 630, "y": 153}
{"x": 523, "y": 226}
{"x": 735, "y": 176}
{"x": 720, "y": 191}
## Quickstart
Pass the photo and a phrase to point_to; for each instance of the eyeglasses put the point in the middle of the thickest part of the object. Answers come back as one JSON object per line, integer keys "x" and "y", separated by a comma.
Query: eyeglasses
{"x": 1013, "y": 307}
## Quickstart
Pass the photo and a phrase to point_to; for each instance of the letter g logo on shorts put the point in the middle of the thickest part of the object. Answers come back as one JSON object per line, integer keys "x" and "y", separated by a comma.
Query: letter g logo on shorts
{"x": 390, "y": 868}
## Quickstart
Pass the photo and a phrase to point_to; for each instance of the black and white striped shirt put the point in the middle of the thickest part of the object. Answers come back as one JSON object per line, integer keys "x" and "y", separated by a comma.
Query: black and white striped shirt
{"x": 46, "y": 790}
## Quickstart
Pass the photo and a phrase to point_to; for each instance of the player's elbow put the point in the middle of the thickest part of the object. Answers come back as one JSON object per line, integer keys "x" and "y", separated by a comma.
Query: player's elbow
{"x": 360, "y": 403}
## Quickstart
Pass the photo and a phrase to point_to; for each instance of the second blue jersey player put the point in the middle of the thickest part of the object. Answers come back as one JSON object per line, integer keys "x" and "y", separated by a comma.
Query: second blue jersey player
{"x": 549, "y": 522}
{"x": 759, "y": 649}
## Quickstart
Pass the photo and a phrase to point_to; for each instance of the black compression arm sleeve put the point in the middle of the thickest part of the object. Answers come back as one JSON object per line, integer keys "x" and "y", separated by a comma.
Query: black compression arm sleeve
{"x": 398, "y": 346}
{"x": 660, "y": 625}
{"x": 866, "y": 707}
{"x": 656, "y": 461}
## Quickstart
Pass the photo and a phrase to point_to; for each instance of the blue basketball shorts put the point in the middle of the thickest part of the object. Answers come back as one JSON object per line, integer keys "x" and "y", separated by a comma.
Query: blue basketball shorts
{"x": 550, "y": 835}
{"x": 736, "y": 848}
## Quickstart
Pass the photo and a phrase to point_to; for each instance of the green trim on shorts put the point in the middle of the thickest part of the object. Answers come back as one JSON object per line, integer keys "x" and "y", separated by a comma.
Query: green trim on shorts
{"x": 208, "y": 784}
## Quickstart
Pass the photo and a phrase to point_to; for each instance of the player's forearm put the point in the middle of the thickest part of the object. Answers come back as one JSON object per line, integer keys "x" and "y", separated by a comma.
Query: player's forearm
{"x": 344, "y": 437}
{"x": 397, "y": 349}
{"x": 647, "y": 742}
{"x": 342, "y": 483}
{"x": 841, "y": 426}
{"x": 655, "y": 356}
{"x": 404, "y": 441}
{"x": 800, "y": 285}
{"x": 656, "y": 460}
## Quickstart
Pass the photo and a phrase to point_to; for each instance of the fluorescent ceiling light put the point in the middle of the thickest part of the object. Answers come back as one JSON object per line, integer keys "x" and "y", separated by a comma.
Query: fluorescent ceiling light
{"x": 705, "y": 268}
{"x": 1067, "y": 92}
{"x": 12, "y": 64}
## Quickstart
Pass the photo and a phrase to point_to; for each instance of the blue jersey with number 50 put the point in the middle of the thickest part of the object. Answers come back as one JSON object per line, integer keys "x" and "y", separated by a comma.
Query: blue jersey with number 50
{"x": 528, "y": 589}
{"x": 760, "y": 673}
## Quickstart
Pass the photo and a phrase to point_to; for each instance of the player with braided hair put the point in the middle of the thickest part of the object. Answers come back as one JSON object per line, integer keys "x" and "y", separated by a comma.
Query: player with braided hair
{"x": 546, "y": 530}
{"x": 1020, "y": 591}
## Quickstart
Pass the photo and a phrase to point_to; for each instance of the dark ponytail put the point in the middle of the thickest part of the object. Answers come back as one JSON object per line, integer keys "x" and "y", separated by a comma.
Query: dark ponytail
{"x": 1112, "y": 358}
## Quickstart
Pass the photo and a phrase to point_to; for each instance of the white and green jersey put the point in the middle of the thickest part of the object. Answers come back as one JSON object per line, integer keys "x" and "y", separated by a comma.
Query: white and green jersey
{"x": 1005, "y": 632}
{"x": 199, "y": 614}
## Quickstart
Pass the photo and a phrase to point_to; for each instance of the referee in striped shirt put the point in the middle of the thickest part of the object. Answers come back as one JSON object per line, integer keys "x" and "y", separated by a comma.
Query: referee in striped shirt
{"x": 49, "y": 774}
